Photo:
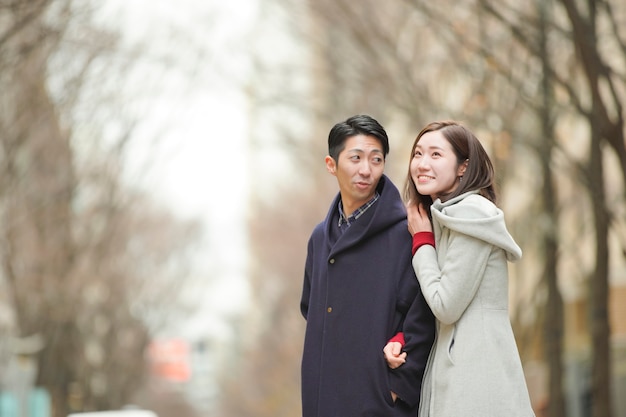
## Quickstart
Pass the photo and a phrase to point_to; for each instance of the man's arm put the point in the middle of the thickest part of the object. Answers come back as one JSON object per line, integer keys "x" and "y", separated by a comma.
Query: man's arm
{"x": 306, "y": 285}
{"x": 419, "y": 333}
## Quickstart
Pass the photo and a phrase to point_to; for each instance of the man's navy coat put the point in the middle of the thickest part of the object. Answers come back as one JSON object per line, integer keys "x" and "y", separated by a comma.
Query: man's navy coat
{"x": 359, "y": 291}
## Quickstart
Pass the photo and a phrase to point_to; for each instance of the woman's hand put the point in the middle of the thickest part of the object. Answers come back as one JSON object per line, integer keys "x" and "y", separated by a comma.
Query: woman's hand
{"x": 417, "y": 218}
{"x": 394, "y": 355}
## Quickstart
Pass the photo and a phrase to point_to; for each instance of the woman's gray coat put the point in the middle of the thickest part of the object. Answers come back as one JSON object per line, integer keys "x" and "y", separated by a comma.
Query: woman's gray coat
{"x": 474, "y": 369}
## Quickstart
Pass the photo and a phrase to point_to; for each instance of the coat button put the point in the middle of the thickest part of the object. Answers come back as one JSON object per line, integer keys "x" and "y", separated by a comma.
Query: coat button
{"x": 329, "y": 309}
{"x": 332, "y": 261}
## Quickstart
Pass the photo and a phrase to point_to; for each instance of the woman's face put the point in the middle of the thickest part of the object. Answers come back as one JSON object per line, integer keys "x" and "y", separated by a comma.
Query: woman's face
{"x": 434, "y": 167}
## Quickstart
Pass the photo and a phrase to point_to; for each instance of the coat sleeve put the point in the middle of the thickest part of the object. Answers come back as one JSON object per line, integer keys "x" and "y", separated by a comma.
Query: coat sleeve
{"x": 306, "y": 285}
{"x": 449, "y": 289}
{"x": 418, "y": 327}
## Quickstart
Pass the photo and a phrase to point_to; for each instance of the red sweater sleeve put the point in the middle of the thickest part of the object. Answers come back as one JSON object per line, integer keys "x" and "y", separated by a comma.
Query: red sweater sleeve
{"x": 421, "y": 239}
{"x": 399, "y": 337}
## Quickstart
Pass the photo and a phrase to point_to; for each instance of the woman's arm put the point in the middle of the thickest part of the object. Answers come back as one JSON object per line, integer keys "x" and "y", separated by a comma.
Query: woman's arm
{"x": 450, "y": 289}
{"x": 394, "y": 355}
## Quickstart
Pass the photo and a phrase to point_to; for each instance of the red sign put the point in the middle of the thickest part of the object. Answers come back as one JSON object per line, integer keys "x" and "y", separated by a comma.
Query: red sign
{"x": 169, "y": 359}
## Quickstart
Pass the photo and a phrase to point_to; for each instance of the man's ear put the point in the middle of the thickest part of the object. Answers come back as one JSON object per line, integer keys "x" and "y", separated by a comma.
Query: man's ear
{"x": 331, "y": 165}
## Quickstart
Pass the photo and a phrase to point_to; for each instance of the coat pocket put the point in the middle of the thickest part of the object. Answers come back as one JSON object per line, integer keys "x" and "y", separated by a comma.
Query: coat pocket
{"x": 450, "y": 345}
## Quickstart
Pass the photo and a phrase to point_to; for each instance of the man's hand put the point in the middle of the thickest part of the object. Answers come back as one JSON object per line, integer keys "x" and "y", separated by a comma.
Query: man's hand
{"x": 394, "y": 355}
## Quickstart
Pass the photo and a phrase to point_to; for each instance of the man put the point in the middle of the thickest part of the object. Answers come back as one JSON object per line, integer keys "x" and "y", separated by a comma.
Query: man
{"x": 360, "y": 289}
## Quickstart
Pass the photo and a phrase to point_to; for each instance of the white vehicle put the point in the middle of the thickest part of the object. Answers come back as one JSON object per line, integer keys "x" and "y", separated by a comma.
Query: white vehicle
{"x": 116, "y": 413}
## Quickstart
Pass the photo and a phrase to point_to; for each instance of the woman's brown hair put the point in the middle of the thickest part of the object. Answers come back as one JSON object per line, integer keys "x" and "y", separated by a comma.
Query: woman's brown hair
{"x": 479, "y": 174}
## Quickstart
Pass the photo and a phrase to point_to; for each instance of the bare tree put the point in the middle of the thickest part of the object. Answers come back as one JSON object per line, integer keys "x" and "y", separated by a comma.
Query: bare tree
{"x": 553, "y": 317}
{"x": 93, "y": 266}
{"x": 592, "y": 66}
{"x": 605, "y": 115}
{"x": 38, "y": 173}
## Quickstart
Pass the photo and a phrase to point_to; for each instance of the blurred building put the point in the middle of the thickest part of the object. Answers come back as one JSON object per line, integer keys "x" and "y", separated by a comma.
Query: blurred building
{"x": 577, "y": 358}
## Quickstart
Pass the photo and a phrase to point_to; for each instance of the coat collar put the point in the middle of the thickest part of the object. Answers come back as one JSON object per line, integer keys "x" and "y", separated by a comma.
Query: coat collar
{"x": 387, "y": 211}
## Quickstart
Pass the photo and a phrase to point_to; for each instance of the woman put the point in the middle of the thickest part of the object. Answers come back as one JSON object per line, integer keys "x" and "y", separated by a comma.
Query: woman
{"x": 474, "y": 368}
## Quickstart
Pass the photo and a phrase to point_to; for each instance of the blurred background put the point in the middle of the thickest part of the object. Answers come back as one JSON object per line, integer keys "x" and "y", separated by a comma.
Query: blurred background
{"x": 161, "y": 168}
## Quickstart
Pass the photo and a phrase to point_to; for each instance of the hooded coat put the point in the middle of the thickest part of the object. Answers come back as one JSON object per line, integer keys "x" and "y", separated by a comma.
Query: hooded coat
{"x": 360, "y": 290}
{"x": 474, "y": 369}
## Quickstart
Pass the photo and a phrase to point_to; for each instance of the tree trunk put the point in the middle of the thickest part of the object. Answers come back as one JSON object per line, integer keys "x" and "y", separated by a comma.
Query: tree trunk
{"x": 553, "y": 319}
{"x": 37, "y": 216}
{"x": 599, "y": 290}
{"x": 585, "y": 39}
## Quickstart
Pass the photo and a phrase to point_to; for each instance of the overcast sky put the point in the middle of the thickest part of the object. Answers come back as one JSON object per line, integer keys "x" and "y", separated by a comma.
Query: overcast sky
{"x": 202, "y": 166}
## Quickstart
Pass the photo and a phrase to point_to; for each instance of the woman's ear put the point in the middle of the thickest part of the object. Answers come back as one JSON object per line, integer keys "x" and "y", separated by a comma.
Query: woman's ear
{"x": 463, "y": 168}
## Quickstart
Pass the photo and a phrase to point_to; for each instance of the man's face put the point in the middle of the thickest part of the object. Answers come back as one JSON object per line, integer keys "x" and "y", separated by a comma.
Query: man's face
{"x": 358, "y": 170}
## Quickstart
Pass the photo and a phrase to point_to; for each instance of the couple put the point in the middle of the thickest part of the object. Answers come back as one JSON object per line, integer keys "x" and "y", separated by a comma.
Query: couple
{"x": 404, "y": 323}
